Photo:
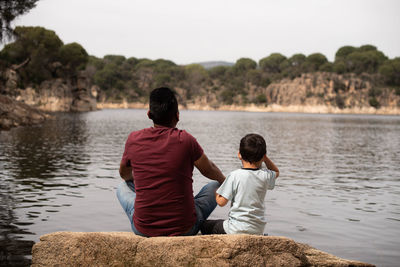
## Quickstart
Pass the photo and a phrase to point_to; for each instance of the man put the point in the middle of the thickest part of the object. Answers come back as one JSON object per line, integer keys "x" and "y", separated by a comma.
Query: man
{"x": 157, "y": 166}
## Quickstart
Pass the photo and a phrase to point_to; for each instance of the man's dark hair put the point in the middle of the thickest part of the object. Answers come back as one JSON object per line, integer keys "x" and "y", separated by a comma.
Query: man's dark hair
{"x": 163, "y": 106}
{"x": 252, "y": 148}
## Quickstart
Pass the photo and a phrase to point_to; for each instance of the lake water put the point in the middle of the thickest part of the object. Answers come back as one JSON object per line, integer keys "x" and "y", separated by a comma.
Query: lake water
{"x": 339, "y": 188}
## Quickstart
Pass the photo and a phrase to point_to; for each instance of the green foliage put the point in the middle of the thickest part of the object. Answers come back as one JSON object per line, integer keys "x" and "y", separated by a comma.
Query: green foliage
{"x": 39, "y": 45}
{"x": 327, "y": 67}
{"x": 196, "y": 73}
{"x": 294, "y": 66}
{"x": 366, "y": 58}
{"x": 374, "y": 102}
{"x": 272, "y": 63}
{"x": 343, "y": 52}
{"x": 108, "y": 77}
{"x": 133, "y": 78}
{"x": 73, "y": 56}
{"x": 227, "y": 96}
{"x": 9, "y": 10}
{"x": 365, "y": 61}
{"x": 366, "y": 48}
{"x": 116, "y": 59}
{"x": 244, "y": 65}
{"x": 97, "y": 63}
{"x": 390, "y": 70}
{"x": 314, "y": 62}
{"x": 339, "y": 66}
{"x": 218, "y": 72}
{"x": 261, "y": 99}
{"x": 162, "y": 79}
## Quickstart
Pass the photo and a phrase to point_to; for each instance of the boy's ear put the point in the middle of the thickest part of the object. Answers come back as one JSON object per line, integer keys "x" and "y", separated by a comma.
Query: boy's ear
{"x": 149, "y": 115}
{"x": 239, "y": 155}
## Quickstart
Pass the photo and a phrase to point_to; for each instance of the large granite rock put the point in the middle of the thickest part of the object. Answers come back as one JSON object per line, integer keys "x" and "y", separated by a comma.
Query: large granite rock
{"x": 14, "y": 113}
{"x": 127, "y": 249}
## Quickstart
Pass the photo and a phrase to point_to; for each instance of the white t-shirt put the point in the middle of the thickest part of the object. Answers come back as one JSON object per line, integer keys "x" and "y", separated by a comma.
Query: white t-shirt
{"x": 246, "y": 189}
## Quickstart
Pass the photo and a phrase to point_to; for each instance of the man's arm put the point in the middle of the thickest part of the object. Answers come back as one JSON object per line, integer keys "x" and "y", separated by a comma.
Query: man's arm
{"x": 271, "y": 166}
{"x": 125, "y": 172}
{"x": 221, "y": 201}
{"x": 209, "y": 169}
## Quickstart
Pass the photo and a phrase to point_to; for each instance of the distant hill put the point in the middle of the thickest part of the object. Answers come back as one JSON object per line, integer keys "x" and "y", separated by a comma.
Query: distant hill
{"x": 212, "y": 64}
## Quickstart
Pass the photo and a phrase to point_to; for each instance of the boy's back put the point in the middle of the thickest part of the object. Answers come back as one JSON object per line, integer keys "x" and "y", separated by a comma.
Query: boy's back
{"x": 246, "y": 188}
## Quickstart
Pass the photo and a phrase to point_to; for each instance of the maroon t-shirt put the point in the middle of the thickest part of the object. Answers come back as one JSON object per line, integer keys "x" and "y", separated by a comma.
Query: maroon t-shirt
{"x": 162, "y": 161}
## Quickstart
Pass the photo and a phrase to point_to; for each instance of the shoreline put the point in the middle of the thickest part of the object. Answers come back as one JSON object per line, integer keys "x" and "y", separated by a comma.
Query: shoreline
{"x": 318, "y": 109}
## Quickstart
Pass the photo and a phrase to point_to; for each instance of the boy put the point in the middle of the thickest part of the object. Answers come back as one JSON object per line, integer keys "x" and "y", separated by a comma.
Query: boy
{"x": 246, "y": 188}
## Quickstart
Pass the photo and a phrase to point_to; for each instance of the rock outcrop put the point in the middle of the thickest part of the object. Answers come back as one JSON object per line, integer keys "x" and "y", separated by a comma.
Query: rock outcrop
{"x": 14, "y": 113}
{"x": 127, "y": 249}
{"x": 74, "y": 94}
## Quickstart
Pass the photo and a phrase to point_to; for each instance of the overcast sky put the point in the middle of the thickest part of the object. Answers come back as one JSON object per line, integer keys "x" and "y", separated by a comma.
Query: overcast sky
{"x": 187, "y": 31}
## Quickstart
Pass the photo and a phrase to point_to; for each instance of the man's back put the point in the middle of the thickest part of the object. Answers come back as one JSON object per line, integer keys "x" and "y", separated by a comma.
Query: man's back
{"x": 162, "y": 160}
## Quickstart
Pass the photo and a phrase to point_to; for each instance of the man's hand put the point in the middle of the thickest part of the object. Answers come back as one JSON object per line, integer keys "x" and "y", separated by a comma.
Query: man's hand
{"x": 209, "y": 169}
{"x": 125, "y": 172}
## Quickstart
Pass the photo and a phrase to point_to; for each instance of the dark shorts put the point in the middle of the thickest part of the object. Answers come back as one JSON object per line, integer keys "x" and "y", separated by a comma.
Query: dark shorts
{"x": 213, "y": 227}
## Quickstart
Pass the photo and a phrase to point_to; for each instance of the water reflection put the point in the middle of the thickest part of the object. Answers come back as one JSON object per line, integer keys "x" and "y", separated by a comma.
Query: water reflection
{"x": 34, "y": 162}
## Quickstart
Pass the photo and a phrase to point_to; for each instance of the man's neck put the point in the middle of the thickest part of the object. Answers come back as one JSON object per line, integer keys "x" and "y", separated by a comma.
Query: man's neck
{"x": 168, "y": 126}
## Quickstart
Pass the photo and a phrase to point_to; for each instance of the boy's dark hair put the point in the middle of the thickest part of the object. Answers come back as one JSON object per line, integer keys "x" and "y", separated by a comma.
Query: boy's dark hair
{"x": 252, "y": 148}
{"x": 163, "y": 106}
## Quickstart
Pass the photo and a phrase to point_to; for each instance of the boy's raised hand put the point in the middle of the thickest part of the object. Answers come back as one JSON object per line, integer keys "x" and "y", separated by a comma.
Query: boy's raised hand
{"x": 270, "y": 165}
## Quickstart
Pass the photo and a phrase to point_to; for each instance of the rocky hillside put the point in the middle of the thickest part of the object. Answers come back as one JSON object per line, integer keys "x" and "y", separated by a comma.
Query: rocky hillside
{"x": 14, "y": 113}
{"x": 323, "y": 92}
{"x": 53, "y": 95}
{"x": 331, "y": 89}
{"x": 26, "y": 106}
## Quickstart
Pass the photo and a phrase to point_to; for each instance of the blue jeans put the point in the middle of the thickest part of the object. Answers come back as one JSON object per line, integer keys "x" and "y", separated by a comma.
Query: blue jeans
{"x": 204, "y": 203}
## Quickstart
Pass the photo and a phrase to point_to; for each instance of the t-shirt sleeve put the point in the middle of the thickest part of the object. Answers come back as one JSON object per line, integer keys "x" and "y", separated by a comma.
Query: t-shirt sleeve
{"x": 196, "y": 149}
{"x": 226, "y": 189}
{"x": 125, "y": 156}
{"x": 270, "y": 177}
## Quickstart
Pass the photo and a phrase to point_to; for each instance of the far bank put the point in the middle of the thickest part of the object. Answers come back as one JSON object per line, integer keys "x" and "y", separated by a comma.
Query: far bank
{"x": 262, "y": 108}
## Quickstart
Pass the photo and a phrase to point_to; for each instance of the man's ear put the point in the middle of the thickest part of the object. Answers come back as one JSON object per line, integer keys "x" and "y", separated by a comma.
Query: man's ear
{"x": 177, "y": 116}
{"x": 239, "y": 155}
{"x": 149, "y": 115}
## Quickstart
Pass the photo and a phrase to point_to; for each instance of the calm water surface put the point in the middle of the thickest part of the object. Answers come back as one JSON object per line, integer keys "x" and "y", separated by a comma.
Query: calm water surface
{"x": 339, "y": 188}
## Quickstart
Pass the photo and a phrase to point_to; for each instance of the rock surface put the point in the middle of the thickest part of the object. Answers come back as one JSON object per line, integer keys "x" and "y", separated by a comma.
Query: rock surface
{"x": 60, "y": 94}
{"x": 14, "y": 113}
{"x": 127, "y": 249}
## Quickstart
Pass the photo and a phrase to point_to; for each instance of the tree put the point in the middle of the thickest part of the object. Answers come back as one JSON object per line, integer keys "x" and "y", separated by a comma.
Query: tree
{"x": 365, "y": 61}
{"x": 9, "y": 10}
{"x": 272, "y": 63}
{"x": 38, "y": 44}
{"x": 390, "y": 70}
{"x": 344, "y": 51}
{"x": 218, "y": 72}
{"x": 243, "y": 65}
{"x": 314, "y": 62}
{"x": 293, "y": 66}
{"x": 366, "y": 58}
{"x": 73, "y": 57}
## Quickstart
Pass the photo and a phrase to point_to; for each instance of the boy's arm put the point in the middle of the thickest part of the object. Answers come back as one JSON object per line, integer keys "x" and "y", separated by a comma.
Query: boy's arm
{"x": 271, "y": 166}
{"x": 209, "y": 169}
{"x": 221, "y": 201}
